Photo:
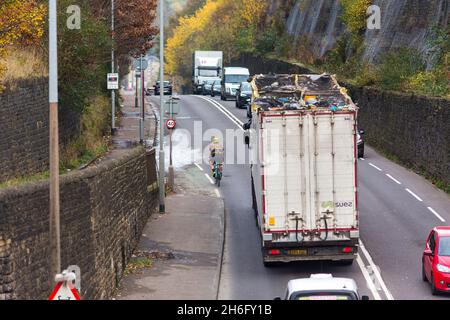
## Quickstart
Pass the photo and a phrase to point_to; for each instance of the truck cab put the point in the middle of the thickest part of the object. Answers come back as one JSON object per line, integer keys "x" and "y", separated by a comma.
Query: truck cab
{"x": 232, "y": 79}
{"x": 207, "y": 66}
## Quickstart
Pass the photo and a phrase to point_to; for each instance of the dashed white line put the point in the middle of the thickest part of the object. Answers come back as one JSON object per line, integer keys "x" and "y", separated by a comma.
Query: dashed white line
{"x": 369, "y": 281}
{"x": 393, "y": 179}
{"x": 376, "y": 272}
{"x": 370, "y": 163}
{"x": 414, "y": 195}
{"x": 200, "y": 168}
{"x": 436, "y": 214}
{"x": 362, "y": 159}
{"x": 209, "y": 178}
{"x": 217, "y": 192}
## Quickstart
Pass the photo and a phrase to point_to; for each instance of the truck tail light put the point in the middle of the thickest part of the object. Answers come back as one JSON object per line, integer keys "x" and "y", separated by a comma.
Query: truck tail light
{"x": 274, "y": 252}
{"x": 347, "y": 250}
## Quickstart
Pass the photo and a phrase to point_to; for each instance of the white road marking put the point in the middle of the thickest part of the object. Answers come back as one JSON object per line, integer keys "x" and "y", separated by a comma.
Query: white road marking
{"x": 217, "y": 192}
{"x": 376, "y": 272}
{"x": 209, "y": 178}
{"x": 362, "y": 159}
{"x": 222, "y": 109}
{"x": 369, "y": 281}
{"x": 436, "y": 214}
{"x": 231, "y": 114}
{"x": 414, "y": 195}
{"x": 201, "y": 169}
{"x": 370, "y": 163}
{"x": 392, "y": 178}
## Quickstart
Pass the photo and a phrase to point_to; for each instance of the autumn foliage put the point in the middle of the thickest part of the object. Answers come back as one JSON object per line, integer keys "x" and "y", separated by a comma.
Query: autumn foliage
{"x": 229, "y": 26}
{"x": 21, "y": 23}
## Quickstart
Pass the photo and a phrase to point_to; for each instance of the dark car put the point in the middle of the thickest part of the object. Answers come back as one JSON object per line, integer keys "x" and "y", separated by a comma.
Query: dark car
{"x": 167, "y": 88}
{"x": 360, "y": 143}
{"x": 243, "y": 95}
{"x": 207, "y": 87}
{"x": 216, "y": 88}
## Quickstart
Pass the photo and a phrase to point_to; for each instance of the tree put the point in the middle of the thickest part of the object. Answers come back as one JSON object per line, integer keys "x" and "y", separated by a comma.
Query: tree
{"x": 21, "y": 23}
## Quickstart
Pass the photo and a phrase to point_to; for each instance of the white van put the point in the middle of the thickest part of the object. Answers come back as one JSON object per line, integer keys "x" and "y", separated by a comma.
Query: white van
{"x": 232, "y": 78}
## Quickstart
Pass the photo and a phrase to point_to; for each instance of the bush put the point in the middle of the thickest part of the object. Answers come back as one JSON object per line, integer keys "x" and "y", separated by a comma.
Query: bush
{"x": 398, "y": 67}
{"x": 432, "y": 83}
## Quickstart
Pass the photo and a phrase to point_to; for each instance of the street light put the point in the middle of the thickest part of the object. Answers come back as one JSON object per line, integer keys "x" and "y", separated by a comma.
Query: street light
{"x": 54, "y": 232}
{"x": 162, "y": 187}
{"x": 113, "y": 92}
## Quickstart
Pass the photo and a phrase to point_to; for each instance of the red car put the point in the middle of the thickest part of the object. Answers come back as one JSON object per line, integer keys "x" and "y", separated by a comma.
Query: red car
{"x": 436, "y": 260}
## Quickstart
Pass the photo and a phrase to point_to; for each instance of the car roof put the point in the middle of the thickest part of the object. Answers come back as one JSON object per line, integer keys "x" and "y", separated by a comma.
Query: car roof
{"x": 443, "y": 230}
{"x": 318, "y": 282}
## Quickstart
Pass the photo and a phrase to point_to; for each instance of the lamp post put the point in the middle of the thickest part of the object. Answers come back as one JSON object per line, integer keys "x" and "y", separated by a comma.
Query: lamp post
{"x": 162, "y": 187}
{"x": 54, "y": 232}
{"x": 113, "y": 92}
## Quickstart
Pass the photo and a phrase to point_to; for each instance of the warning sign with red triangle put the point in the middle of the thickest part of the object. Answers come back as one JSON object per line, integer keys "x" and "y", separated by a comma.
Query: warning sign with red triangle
{"x": 63, "y": 292}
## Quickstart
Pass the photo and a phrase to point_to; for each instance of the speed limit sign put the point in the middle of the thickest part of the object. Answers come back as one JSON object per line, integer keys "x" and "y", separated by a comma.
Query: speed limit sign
{"x": 171, "y": 123}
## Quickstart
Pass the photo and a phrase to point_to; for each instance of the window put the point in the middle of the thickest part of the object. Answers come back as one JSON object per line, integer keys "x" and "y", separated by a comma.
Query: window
{"x": 432, "y": 242}
{"x": 444, "y": 247}
{"x": 208, "y": 73}
{"x": 331, "y": 295}
{"x": 246, "y": 87}
{"x": 235, "y": 78}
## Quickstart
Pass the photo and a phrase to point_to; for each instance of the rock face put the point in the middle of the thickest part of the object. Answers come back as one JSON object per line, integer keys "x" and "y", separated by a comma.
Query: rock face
{"x": 403, "y": 23}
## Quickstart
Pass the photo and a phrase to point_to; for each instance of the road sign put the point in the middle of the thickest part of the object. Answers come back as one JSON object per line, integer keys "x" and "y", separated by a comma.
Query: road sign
{"x": 137, "y": 64}
{"x": 113, "y": 81}
{"x": 172, "y": 107}
{"x": 171, "y": 123}
{"x": 62, "y": 291}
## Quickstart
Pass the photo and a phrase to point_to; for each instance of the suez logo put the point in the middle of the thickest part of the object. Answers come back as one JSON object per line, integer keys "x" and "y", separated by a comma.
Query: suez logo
{"x": 344, "y": 204}
{"x": 339, "y": 204}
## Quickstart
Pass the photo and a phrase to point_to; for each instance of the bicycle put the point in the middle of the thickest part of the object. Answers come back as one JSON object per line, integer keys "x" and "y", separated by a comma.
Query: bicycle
{"x": 217, "y": 173}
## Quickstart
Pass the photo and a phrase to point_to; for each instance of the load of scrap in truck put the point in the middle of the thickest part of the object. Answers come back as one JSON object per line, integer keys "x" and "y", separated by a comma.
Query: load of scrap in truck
{"x": 302, "y": 142}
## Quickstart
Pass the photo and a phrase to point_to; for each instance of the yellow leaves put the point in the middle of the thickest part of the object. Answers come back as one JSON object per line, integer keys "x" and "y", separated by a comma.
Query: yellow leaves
{"x": 21, "y": 23}
{"x": 218, "y": 25}
{"x": 355, "y": 14}
{"x": 252, "y": 11}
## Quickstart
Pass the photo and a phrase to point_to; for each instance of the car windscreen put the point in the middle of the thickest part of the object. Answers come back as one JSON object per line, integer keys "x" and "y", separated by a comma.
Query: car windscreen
{"x": 208, "y": 73}
{"x": 322, "y": 295}
{"x": 235, "y": 78}
{"x": 246, "y": 87}
{"x": 444, "y": 247}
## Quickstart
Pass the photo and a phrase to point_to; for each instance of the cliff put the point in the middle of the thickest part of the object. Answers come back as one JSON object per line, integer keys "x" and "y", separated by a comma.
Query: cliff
{"x": 404, "y": 23}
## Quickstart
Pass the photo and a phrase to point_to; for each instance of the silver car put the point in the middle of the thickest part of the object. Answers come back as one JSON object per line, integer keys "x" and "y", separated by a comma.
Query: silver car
{"x": 322, "y": 287}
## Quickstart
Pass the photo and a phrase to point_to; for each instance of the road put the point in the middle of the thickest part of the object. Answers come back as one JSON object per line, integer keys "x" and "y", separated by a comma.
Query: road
{"x": 397, "y": 210}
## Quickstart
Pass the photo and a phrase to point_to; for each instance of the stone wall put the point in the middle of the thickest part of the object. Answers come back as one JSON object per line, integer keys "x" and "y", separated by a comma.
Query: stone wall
{"x": 103, "y": 211}
{"x": 24, "y": 131}
{"x": 258, "y": 65}
{"x": 414, "y": 129}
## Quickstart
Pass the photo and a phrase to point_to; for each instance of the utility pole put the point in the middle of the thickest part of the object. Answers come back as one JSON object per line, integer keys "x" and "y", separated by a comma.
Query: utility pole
{"x": 162, "y": 187}
{"x": 113, "y": 92}
{"x": 54, "y": 234}
{"x": 141, "y": 121}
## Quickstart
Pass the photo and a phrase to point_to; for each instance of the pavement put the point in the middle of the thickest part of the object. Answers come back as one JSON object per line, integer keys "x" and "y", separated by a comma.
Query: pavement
{"x": 185, "y": 245}
{"x": 127, "y": 134}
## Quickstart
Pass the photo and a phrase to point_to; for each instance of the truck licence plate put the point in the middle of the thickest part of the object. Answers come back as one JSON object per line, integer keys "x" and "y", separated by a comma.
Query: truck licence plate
{"x": 297, "y": 252}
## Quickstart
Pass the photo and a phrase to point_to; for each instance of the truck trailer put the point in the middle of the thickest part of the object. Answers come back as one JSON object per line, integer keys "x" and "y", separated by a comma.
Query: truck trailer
{"x": 207, "y": 65}
{"x": 302, "y": 143}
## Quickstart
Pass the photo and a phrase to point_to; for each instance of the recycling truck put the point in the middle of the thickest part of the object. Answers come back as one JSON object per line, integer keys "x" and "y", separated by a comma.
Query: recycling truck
{"x": 302, "y": 142}
{"x": 207, "y": 65}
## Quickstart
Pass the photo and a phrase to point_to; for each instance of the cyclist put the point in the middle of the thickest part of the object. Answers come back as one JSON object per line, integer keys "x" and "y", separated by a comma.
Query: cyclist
{"x": 216, "y": 154}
